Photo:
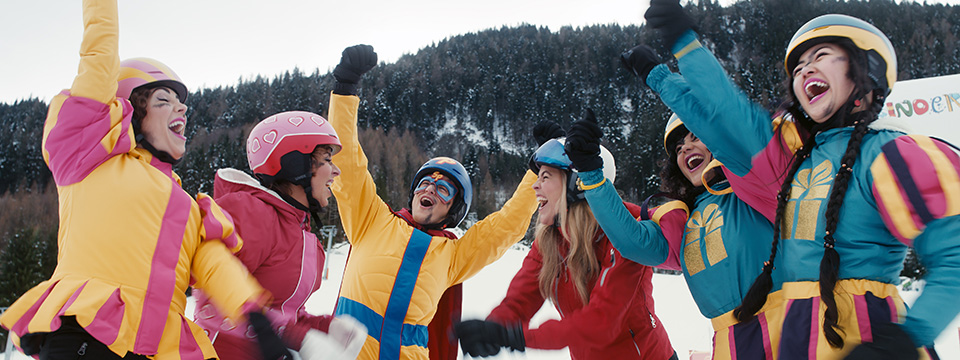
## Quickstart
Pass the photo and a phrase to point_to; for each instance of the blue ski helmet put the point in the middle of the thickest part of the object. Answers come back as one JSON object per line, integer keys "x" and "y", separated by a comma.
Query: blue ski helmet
{"x": 456, "y": 171}
{"x": 552, "y": 154}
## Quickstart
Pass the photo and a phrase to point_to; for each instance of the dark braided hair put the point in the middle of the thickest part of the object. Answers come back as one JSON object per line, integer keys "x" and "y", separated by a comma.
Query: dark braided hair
{"x": 755, "y": 298}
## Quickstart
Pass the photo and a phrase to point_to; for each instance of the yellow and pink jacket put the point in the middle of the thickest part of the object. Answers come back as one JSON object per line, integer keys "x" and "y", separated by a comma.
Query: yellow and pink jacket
{"x": 131, "y": 240}
{"x": 396, "y": 274}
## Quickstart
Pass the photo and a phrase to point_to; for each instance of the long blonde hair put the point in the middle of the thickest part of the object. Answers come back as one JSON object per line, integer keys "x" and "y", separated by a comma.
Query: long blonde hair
{"x": 581, "y": 228}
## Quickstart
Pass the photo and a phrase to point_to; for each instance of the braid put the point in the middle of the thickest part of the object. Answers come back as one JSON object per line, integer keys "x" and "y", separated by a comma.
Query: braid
{"x": 756, "y": 297}
{"x": 830, "y": 264}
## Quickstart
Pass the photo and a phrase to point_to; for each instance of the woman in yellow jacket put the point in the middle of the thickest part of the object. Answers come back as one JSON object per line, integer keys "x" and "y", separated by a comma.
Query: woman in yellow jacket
{"x": 131, "y": 240}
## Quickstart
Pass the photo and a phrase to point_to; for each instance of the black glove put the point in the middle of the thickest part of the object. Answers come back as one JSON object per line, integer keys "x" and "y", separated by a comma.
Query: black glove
{"x": 480, "y": 338}
{"x": 583, "y": 143}
{"x": 889, "y": 342}
{"x": 546, "y": 130}
{"x": 668, "y": 17}
{"x": 354, "y": 61}
{"x": 640, "y": 61}
{"x": 271, "y": 347}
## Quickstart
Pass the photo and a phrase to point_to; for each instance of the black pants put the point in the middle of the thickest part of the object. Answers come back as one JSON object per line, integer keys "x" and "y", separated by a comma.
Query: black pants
{"x": 72, "y": 342}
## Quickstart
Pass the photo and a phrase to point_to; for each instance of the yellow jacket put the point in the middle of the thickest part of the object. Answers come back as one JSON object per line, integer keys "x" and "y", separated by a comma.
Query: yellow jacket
{"x": 131, "y": 240}
{"x": 393, "y": 269}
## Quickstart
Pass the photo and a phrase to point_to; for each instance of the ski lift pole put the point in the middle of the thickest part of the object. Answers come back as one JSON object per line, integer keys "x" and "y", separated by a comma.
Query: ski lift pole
{"x": 329, "y": 231}
{"x": 8, "y": 353}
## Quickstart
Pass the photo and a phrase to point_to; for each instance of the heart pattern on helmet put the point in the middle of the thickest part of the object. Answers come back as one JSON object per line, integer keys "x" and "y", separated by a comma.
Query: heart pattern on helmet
{"x": 270, "y": 137}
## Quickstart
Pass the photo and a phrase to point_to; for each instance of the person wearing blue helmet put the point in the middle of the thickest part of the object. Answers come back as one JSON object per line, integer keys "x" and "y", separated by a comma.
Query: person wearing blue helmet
{"x": 605, "y": 300}
{"x": 401, "y": 263}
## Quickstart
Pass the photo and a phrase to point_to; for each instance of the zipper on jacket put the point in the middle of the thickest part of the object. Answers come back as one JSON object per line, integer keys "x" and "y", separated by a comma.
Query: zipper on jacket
{"x": 613, "y": 261}
{"x": 83, "y": 349}
{"x": 635, "y": 345}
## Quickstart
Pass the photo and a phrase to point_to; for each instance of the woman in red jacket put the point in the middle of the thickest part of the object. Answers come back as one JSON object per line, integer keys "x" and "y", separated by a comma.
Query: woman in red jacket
{"x": 604, "y": 300}
{"x": 289, "y": 153}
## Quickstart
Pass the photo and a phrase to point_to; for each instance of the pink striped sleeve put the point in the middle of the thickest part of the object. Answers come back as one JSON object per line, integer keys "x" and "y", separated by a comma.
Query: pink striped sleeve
{"x": 217, "y": 223}
{"x": 760, "y": 186}
{"x": 672, "y": 219}
{"x": 915, "y": 180}
{"x": 80, "y": 134}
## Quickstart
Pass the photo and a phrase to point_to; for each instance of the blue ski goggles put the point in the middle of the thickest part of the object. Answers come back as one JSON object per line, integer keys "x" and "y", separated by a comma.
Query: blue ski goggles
{"x": 445, "y": 190}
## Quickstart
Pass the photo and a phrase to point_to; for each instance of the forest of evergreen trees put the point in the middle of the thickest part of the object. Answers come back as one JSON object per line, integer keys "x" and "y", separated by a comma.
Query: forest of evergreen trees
{"x": 476, "y": 96}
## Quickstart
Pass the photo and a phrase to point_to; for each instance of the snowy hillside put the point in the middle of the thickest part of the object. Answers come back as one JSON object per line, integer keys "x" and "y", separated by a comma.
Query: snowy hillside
{"x": 688, "y": 330}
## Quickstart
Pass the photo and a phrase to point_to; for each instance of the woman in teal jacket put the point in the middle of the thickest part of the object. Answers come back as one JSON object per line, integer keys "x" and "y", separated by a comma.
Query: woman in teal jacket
{"x": 857, "y": 194}
{"x": 718, "y": 246}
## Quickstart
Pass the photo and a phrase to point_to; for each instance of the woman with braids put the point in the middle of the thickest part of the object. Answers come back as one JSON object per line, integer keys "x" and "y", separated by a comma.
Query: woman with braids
{"x": 605, "y": 301}
{"x": 717, "y": 247}
{"x": 855, "y": 194}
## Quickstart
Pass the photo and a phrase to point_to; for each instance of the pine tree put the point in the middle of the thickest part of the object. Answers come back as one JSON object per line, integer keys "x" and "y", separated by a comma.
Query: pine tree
{"x": 28, "y": 259}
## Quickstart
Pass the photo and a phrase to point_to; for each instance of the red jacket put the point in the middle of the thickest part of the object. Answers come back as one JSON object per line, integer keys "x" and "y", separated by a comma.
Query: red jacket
{"x": 281, "y": 253}
{"x": 618, "y": 323}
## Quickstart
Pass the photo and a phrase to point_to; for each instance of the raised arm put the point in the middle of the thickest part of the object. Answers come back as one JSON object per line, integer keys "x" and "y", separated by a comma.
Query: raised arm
{"x": 99, "y": 52}
{"x": 702, "y": 103}
{"x": 642, "y": 241}
{"x": 488, "y": 239}
{"x": 355, "y": 190}
{"x": 735, "y": 128}
{"x": 86, "y": 124}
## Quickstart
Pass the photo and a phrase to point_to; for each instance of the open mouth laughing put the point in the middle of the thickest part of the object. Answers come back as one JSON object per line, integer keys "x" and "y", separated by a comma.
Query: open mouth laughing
{"x": 694, "y": 161}
{"x": 178, "y": 126}
{"x": 815, "y": 88}
{"x": 543, "y": 202}
{"x": 426, "y": 202}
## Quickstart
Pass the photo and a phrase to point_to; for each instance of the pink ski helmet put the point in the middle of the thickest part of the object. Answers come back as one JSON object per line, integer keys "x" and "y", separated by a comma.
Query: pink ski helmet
{"x": 288, "y": 132}
{"x": 137, "y": 72}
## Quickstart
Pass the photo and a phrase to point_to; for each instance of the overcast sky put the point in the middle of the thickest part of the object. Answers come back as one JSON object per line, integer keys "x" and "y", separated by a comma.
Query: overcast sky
{"x": 216, "y": 42}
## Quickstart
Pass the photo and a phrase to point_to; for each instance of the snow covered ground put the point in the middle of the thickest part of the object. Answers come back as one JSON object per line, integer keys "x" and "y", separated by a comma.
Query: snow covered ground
{"x": 689, "y": 331}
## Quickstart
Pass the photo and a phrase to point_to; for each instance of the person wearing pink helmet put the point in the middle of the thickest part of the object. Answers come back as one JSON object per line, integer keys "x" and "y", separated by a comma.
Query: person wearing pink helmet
{"x": 131, "y": 240}
{"x": 289, "y": 154}
{"x": 402, "y": 263}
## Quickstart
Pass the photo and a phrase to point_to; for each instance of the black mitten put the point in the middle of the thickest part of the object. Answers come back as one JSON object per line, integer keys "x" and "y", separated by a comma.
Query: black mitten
{"x": 271, "y": 346}
{"x": 668, "y": 17}
{"x": 640, "y": 61}
{"x": 479, "y": 338}
{"x": 889, "y": 342}
{"x": 583, "y": 143}
{"x": 546, "y": 130}
{"x": 354, "y": 62}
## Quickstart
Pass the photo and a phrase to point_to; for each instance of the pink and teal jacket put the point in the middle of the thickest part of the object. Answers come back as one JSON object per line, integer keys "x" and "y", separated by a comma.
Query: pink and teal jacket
{"x": 720, "y": 245}
{"x": 904, "y": 191}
